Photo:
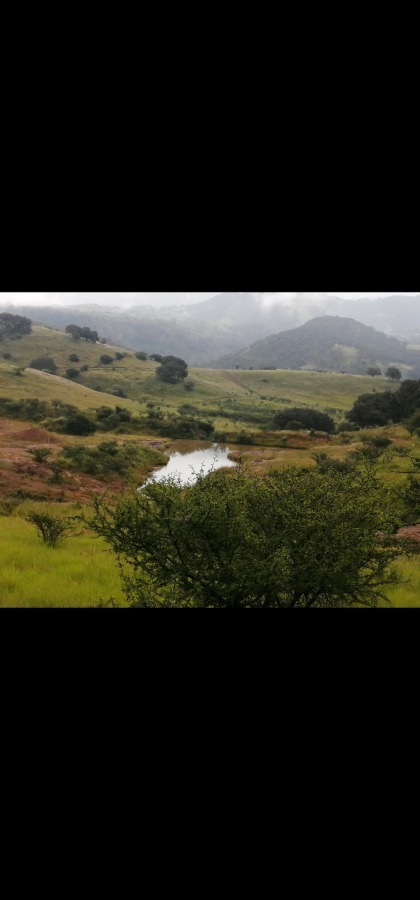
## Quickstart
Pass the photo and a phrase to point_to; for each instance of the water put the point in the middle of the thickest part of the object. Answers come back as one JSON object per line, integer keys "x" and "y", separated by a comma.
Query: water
{"x": 187, "y": 464}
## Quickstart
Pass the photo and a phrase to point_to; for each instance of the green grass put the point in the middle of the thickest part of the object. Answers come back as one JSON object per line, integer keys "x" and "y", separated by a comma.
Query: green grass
{"x": 82, "y": 571}
{"x": 77, "y": 574}
{"x": 407, "y": 596}
{"x": 233, "y": 393}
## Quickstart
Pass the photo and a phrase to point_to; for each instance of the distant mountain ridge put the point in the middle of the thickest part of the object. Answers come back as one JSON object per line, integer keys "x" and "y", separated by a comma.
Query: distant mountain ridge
{"x": 327, "y": 343}
{"x": 226, "y": 323}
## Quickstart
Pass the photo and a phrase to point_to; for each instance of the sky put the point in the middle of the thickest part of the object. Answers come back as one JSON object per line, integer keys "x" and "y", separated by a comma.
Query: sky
{"x": 167, "y": 298}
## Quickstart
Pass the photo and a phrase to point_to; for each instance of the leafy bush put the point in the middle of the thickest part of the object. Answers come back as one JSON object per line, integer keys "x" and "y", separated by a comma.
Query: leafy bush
{"x": 106, "y": 359}
{"x": 79, "y": 425}
{"x": 40, "y": 455}
{"x": 51, "y": 530}
{"x": 297, "y": 419}
{"x": 72, "y": 373}
{"x": 74, "y": 357}
{"x": 44, "y": 364}
{"x": 143, "y": 356}
{"x": 295, "y": 539}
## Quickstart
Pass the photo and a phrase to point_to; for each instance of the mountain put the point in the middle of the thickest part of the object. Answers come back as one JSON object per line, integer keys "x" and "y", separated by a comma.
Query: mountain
{"x": 327, "y": 343}
{"x": 224, "y": 324}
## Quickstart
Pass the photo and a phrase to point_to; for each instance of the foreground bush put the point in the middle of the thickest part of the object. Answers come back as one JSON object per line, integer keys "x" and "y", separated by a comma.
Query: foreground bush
{"x": 295, "y": 539}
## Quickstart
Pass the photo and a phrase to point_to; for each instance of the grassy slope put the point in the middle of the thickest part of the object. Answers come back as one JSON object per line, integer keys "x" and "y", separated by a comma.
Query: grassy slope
{"x": 212, "y": 387}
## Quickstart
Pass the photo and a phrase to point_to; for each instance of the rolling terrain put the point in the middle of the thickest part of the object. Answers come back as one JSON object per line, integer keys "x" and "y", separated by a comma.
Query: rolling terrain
{"x": 240, "y": 404}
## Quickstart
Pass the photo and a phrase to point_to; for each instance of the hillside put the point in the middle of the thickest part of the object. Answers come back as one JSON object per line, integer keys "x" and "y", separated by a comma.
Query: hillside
{"x": 225, "y": 395}
{"x": 328, "y": 343}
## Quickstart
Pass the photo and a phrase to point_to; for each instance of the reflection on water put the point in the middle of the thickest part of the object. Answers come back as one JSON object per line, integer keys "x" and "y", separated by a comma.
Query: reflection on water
{"x": 186, "y": 464}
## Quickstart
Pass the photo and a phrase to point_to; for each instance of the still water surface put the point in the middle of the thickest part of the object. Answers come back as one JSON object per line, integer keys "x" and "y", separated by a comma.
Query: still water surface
{"x": 188, "y": 460}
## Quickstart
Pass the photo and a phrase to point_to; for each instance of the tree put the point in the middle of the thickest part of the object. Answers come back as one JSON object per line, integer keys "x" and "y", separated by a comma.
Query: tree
{"x": 44, "y": 364}
{"x": 13, "y": 326}
{"x": 79, "y": 425}
{"x": 393, "y": 373}
{"x": 106, "y": 359}
{"x": 295, "y": 539}
{"x": 374, "y": 371}
{"x": 173, "y": 370}
{"x": 72, "y": 373}
{"x": 143, "y": 356}
{"x": 295, "y": 419}
{"x": 156, "y": 357}
{"x": 85, "y": 334}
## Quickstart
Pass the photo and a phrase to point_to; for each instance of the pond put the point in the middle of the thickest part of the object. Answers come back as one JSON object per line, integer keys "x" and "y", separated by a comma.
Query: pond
{"x": 188, "y": 460}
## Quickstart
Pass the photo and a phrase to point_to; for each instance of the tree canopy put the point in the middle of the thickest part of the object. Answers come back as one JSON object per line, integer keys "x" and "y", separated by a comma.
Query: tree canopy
{"x": 172, "y": 370}
{"x": 82, "y": 334}
{"x": 12, "y": 326}
{"x": 295, "y": 419}
{"x": 295, "y": 539}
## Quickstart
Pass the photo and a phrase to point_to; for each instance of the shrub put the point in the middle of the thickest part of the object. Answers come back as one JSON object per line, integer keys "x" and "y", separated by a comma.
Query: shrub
{"x": 40, "y": 455}
{"x": 85, "y": 368}
{"x": 44, "y": 364}
{"x": 79, "y": 425}
{"x": 51, "y": 530}
{"x": 143, "y": 356}
{"x": 74, "y": 357}
{"x": 72, "y": 373}
{"x": 106, "y": 359}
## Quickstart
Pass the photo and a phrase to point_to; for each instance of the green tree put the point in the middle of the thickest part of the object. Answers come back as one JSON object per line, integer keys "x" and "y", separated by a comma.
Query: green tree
{"x": 79, "y": 424}
{"x": 12, "y": 326}
{"x": 172, "y": 370}
{"x": 44, "y": 364}
{"x": 393, "y": 373}
{"x": 296, "y": 419}
{"x": 295, "y": 539}
{"x": 374, "y": 371}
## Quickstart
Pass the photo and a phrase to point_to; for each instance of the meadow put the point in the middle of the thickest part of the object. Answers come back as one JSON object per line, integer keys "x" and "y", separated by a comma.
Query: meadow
{"x": 79, "y": 573}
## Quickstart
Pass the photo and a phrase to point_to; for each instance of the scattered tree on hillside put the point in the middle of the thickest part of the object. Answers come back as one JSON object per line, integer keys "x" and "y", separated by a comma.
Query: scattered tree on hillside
{"x": 143, "y": 356}
{"x": 72, "y": 373}
{"x": 393, "y": 373}
{"x": 172, "y": 370}
{"x": 44, "y": 364}
{"x": 295, "y": 539}
{"x": 296, "y": 419}
{"x": 13, "y": 326}
{"x": 106, "y": 359}
{"x": 374, "y": 371}
{"x": 82, "y": 334}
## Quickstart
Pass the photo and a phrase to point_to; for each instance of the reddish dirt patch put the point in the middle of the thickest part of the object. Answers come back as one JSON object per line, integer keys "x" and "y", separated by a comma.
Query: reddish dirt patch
{"x": 35, "y": 435}
{"x": 411, "y": 533}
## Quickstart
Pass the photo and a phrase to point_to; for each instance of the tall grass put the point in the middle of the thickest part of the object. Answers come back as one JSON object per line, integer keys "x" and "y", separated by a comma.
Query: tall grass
{"x": 77, "y": 574}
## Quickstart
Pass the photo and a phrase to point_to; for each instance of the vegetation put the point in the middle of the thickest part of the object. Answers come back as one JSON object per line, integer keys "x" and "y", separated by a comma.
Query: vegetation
{"x": 51, "y": 529}
{"x": 44, "y": 364}
{"x": 302, "y": 539}
{"x": 172, "y": 370}
{"x": 382, "y": 409}
{"x": 12, "y": 326}
{"x": 297, "y": 419}
{"x": 82, "y": 334}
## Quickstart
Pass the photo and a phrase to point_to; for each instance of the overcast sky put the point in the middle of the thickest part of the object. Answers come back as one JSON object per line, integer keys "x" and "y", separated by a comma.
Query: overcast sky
{"x": 130, "y": 298}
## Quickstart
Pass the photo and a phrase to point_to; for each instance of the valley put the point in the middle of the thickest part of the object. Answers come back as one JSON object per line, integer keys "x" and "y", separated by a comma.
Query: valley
{"x": 103, "y": 422}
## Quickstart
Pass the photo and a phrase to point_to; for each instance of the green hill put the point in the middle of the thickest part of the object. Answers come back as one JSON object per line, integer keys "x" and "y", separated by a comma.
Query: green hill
{"x": 328, "y": 343}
